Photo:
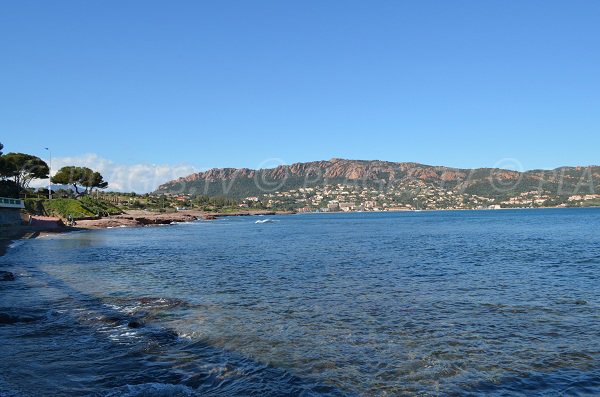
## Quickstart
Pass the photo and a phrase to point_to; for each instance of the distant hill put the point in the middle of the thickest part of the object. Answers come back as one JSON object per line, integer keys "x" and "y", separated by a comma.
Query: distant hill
{"x": 491, "y": 182}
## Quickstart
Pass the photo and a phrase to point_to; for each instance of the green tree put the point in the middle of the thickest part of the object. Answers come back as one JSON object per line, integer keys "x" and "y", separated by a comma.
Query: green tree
{"x": 7, "y": 188}
{"x": 22, "y": 168}
{"x": 2, "y": 165}
{"x": 79, "y": 177}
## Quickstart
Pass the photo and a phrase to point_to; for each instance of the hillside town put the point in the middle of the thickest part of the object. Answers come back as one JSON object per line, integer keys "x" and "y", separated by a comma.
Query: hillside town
{"x": 415, "y": 195}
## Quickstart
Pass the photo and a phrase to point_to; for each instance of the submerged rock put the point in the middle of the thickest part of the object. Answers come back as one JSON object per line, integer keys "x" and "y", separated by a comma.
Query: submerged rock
{"x": 135, "y": 324}
{"x": 7, "y": 319}
{"x": 10, "y": 319}
{"x": 6, "y": 276}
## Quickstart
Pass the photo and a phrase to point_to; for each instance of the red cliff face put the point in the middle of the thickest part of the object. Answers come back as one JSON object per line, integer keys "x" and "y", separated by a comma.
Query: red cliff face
{"x": 332, "y": 169}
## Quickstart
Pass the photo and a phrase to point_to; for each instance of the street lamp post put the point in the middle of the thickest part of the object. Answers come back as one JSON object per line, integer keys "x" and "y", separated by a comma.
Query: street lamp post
{"x": 49, "y": 174}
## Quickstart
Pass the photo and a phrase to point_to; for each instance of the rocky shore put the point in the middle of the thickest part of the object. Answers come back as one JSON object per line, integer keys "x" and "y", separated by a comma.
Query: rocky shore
{"x": 146, "y": 218}
{"x": 138, "y": 218}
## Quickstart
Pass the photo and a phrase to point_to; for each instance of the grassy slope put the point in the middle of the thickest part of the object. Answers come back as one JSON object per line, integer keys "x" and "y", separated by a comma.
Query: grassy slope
{"x": 77, "y": 208}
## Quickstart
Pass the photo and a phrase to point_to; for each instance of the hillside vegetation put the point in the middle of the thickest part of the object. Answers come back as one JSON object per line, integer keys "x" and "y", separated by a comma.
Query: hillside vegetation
{"x": 84, "y": 207}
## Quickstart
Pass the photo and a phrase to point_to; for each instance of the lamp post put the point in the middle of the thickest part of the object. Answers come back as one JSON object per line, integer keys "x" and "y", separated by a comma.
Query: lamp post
{"x": 49, "y": 174}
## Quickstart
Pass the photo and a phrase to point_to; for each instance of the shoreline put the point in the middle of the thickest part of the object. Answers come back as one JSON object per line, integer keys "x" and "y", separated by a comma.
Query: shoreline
{"x": 27, "y": 233}
{"x": 128, "y": 219}
{"x": 144, "y": 218}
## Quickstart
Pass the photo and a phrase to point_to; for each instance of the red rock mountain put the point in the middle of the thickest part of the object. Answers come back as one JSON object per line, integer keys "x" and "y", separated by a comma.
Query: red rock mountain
{"x": 243, "y": 182}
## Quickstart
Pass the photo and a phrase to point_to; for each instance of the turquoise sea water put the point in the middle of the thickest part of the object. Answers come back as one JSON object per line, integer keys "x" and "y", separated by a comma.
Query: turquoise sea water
{"x": 375, "y": 304}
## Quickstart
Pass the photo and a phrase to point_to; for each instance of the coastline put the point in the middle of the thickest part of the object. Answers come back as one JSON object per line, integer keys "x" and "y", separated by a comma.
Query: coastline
{"x": 8, "y": 236}
{"x": 128, "y": 219}
{"x": 142, "y": 218}
{"x": 145, "y": 218}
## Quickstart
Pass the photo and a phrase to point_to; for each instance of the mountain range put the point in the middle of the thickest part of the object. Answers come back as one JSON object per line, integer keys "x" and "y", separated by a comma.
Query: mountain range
{"x": 491, "y": 182}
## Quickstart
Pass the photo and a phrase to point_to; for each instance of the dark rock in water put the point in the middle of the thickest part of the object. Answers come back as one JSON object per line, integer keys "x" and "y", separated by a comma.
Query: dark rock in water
{"x": 164, "y": 335}
{"x": 111, "y": 319}
{"x": 10, "y": 319}
{"x": 148, "y": 300}
{"x": 135, "y": 324}
{"x": 156, "y": 302}
{"x": 6, "y": 276}
{"x": 580, "y": 302}
{"x": 7, "y": 319}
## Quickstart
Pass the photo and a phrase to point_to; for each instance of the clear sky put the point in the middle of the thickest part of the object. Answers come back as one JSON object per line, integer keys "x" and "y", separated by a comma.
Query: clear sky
{"x": 235, "y": 83}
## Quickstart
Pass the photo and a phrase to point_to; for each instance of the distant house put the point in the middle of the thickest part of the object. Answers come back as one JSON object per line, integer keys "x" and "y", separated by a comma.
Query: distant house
{"x": 370, "y": 204}
{"x": 333, "y": 206}
{"x": 582, "y": 197}
{"x": 346, "y": 206}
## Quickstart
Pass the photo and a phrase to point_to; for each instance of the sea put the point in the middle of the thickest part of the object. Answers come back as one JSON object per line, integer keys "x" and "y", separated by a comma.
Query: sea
{"x": 440, "y": 303}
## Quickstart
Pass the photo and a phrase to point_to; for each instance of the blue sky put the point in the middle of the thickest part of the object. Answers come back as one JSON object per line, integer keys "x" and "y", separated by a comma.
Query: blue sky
{"x": 236, "y": 83}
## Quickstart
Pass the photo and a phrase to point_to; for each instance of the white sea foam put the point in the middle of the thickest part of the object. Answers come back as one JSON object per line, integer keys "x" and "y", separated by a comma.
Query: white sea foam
{"x": 265, "y": 221}
{"x": 16, "y": 244}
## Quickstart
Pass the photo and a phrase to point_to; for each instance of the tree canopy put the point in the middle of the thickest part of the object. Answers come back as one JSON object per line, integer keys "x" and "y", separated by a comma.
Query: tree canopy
{"x": 80, "y": 177}
{"x": 22, "y": 168}
{"x": 7, "y": 188}
{"x": 2, "y": 165}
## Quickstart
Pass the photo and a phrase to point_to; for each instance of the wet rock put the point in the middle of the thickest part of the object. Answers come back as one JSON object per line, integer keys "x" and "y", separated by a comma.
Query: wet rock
{"x": 135, "y": 324}
{"x": 161, "y": 303}
{"x": 6, "y": 276}
{"x": 164, "y": 335}
{"x": 148, "y": 300}
{"x": 111, "y": 319}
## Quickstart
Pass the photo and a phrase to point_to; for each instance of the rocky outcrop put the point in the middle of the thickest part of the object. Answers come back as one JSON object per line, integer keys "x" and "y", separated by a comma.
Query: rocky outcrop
{"x": 138, "y": 218}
